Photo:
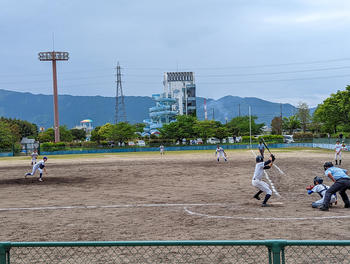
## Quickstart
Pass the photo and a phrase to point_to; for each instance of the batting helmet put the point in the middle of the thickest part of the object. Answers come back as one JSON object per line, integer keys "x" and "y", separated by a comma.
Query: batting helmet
{"x": 318, "y": 179}
{"x": 327, "y": 165}
{"x": 259, "y": 158}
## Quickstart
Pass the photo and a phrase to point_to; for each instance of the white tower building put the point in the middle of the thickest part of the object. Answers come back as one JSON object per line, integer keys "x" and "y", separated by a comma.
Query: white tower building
{"x": 181, "y": 86}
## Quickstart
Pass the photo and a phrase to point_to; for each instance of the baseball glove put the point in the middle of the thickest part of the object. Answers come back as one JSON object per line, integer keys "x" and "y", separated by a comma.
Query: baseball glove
{"x": 310, "y": 187}
{"x": 273, "y": 157}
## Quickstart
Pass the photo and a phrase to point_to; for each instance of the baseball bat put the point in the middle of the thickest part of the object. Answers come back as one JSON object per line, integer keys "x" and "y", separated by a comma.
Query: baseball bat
{"x": 263, "y": 141}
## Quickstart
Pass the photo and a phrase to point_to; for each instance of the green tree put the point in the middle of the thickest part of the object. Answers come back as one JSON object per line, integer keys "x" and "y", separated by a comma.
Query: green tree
{"x": 239, "y": 126}
{"x": 78, "y": 134}
{"x": 303, "y": 115}
{"x": 95, "y": 136}
{"x": 6, "y": 138}
{"x": 221, "y": 133}
{"x": 47, "y": 136}
{"x": 334, "y": 112}
{"x": 276, "y": 125}
{"x": 139, "y": 127}
{"x": 24, "y": 128}
{"x": 185, "y": 126}
{"x": 170, "y": 131}
{"x": 204, "y": 129}
{"x": 291, "y": 123}
{"x": 122, "y": 132}
{"x": 105, "y": 131}
{"x": 65, "y": 134}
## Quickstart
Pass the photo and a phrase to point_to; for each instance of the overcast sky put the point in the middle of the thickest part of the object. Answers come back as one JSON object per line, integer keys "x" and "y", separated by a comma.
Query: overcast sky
{"x": 282, "y": 51}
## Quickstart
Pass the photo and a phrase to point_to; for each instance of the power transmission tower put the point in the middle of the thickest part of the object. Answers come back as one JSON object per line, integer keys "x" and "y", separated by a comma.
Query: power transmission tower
{"x": 120, "y": 114}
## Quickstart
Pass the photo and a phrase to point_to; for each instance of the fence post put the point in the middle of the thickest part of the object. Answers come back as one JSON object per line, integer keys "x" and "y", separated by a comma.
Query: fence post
{"x": 276, "y": 247}
{"x": 4, "y": 248}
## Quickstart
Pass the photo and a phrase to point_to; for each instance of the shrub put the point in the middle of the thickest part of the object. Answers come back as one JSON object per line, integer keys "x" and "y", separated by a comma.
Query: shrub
{"x": 301, "y": 135}
{"x": 246, "y": 139}
{"x": 272, "y": 138}
{"x": 51, "y": 146}
{"x": 89, "y": 144}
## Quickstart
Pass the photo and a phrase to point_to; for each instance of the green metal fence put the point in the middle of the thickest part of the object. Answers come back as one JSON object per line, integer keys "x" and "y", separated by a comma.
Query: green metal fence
{"x": 199, "y": 252}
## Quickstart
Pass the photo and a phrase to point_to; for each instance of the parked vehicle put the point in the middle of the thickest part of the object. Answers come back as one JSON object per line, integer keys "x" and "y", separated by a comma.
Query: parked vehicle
{"x": 140, "y": 143}
{"x": 288, "y": 139}
{"x": 131, "y": 143}
{"x": 230, "y": 140}
{"x": 213, "y": 140}
{"x": 199, "y": 141}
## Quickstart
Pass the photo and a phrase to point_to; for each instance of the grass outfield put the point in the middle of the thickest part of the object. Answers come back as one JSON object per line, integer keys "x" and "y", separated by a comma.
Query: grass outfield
{"x": 156, "y": 153}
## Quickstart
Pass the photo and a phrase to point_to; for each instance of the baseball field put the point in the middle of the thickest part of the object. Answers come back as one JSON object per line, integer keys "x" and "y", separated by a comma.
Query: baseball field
{"x": 181, "y": 196}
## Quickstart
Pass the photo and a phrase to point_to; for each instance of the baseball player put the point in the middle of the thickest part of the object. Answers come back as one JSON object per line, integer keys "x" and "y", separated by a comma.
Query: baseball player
{"x": 257, "y": 178}
{"x": 161, "y": 149}
{"x": 34, "y": 156}
{"x": 220, "y": 152}
{"x": 261, "y": 148}
{"x": 337, "y": 148}
{"x": 341, "y": 184}
{"x": 321, "y": 189}
{"x": 40, "y": 166}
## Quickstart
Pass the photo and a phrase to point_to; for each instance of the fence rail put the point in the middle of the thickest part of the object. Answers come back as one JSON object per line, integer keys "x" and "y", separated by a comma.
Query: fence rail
{"x": 217, "y": 251}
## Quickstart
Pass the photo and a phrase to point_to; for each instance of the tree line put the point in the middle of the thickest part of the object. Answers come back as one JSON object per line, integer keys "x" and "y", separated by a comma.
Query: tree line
{"x": 331, "y": 117}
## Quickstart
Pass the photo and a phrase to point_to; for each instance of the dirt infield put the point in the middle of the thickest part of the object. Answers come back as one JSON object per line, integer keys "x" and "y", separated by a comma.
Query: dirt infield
{"x": 182, "y": 196}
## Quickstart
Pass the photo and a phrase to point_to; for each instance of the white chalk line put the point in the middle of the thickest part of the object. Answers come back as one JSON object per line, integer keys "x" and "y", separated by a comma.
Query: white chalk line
{"x": 279, "y": 169}
{"x": 268, "y": 178}
{"x": 265, "y": 218}
{"x": 105, "y": 206}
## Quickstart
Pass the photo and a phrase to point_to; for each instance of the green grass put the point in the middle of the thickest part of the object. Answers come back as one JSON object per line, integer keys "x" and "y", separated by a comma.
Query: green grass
{"x": 156, "y": 153}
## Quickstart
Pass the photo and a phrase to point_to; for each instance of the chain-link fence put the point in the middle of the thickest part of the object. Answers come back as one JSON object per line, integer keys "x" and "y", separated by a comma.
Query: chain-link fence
{"x": 199, "y": 252}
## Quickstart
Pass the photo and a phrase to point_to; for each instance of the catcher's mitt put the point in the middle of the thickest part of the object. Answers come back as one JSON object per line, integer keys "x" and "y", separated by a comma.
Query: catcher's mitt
{"x": 310, "y": 187}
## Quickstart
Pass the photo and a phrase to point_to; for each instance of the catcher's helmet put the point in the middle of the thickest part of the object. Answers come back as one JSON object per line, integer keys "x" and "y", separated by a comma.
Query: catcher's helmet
{"x": 327, "y": 165}
{"x": 259, "y": 158}
{"x": 318, "y": 179}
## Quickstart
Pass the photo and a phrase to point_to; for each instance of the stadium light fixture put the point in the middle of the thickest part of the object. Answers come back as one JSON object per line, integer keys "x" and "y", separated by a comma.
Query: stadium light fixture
{"x": 54, "y": 56}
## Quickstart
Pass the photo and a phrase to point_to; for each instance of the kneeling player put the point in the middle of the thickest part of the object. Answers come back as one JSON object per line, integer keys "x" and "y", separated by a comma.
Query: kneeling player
{"x": 40, "y": 166}
{"x": 257, "y": 178}
{"x": 321, "y": 189}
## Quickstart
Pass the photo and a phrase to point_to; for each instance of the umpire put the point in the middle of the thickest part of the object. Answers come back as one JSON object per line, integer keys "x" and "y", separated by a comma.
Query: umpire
{"x": 341, "y": 184}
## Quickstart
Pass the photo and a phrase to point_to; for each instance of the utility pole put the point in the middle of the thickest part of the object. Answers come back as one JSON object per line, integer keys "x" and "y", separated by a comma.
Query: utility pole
{"x": 281, "y": 117}
{"x": 239, "y": 110}
{"x": 120, "y": 114}
{"x": 54, "y": 56}
{"x": 213, "y": 114}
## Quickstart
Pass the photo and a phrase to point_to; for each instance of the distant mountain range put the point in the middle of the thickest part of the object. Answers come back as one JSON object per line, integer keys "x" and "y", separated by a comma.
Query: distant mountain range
{"x": 38, "y": 108}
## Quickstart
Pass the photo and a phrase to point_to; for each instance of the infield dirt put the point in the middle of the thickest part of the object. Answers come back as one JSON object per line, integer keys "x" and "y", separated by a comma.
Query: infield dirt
{"x": 182, "y": 196}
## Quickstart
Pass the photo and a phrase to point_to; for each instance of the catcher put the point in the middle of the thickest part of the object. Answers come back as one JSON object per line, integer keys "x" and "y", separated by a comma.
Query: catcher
{"x": 321, "y": 189}
{"x": 220, "y": 152}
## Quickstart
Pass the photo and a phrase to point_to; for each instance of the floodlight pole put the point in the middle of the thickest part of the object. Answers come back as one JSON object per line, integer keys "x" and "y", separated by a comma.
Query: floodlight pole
{"x": 53, "y": 56}
{"x": 55, "y": 102}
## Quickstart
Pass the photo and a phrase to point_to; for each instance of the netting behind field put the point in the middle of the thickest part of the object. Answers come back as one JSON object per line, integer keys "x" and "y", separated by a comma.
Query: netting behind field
{"x": 141, "y": 254}
{"x": 198, "y": 252}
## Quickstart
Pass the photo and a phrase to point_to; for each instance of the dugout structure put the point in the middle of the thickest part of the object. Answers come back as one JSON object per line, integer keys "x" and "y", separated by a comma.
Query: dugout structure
{"x": 258, "y": 251}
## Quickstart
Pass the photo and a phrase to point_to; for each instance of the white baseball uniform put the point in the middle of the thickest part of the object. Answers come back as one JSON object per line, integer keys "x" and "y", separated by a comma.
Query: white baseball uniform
{"x": 321, "y": 190}
{"x": 338, "y": 148}
{"x": 220, "y": 153}
{"x": 257, "y": 178}
{"x": 38, "y": 166}
{"x": 34, "y": 157}
{"x": 161, "y": 148}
